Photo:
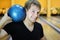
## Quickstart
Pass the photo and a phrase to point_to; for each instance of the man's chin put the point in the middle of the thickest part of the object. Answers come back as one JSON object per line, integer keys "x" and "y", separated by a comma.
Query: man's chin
{"x": 34, "y": 21}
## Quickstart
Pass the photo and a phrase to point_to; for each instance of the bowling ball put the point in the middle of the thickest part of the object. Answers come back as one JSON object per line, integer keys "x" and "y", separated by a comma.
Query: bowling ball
{"x": 17, "y": 13}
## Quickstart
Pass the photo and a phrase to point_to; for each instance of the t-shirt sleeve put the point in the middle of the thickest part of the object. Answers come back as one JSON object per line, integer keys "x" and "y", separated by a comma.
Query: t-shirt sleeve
{"x": 42, "y": 34}
{"x": 7, "y": 28}
{"x": 41, "y": 30}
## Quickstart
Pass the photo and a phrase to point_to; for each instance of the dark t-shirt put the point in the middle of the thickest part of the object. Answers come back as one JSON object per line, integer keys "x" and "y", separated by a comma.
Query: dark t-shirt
{"x": 18, "y": 31}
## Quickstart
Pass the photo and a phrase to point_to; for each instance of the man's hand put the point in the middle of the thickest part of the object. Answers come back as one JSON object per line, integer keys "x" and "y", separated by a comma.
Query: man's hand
{"x": 3, "y": 33}
{"x": 5, "y": 19}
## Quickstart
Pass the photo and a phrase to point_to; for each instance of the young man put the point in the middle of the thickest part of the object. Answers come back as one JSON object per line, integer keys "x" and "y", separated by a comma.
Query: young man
{"x": 28, "y": 29}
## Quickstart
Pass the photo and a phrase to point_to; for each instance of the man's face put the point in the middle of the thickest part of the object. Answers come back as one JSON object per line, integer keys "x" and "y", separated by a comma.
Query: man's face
{"x": 33, "y": 13}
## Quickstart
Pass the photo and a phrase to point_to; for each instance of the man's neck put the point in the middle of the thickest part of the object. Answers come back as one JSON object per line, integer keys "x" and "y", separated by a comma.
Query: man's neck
{"x": 28, "y": 22}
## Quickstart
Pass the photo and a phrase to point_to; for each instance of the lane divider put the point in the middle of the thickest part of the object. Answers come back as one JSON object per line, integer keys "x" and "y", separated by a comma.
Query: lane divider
{"x": 51, "y": 24}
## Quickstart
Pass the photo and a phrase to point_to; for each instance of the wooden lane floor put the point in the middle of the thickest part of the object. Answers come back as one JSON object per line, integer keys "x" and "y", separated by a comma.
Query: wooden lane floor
{"x": 54, "y": 20}
{"x": 49, "y": 32}
{"x": 57, "y": 17}
{"x": 57, "y": 21}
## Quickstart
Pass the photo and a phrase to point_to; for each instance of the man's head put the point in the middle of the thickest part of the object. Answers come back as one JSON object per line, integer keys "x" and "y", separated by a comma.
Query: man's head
{"x": 28, "y": 4}
{"x": 32, "y": 10}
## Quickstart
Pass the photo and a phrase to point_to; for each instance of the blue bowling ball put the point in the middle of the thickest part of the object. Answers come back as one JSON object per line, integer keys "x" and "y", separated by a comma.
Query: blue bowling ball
{"x": 17, "y": 13}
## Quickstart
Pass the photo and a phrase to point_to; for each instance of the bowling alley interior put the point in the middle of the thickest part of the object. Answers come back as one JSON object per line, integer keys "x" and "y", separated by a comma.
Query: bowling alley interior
{"x": 49, "y": 17}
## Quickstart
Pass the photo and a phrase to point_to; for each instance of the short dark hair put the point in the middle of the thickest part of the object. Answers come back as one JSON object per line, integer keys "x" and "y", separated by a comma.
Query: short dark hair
{"x": 29, "y": 2}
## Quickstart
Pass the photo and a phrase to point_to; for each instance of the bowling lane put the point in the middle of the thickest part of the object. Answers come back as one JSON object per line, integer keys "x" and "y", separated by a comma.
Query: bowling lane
{"x": 49, "y": 32}
{"x": 54, "y": 21}
{"x": 57, "y": 21}
{"x": 55, "y": 18}
{"x": 58, "y": 17}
